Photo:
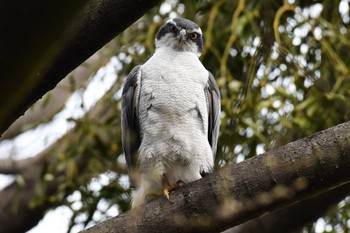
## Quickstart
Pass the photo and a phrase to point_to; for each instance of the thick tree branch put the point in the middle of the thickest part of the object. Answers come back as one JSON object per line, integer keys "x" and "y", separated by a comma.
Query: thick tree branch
{"x": 53, "y": 101}
{"x": 236, "y": 194}
{"x": 43, "y": 25}
{"x": 60, "y": 35}
{"x": 302, "y": 214}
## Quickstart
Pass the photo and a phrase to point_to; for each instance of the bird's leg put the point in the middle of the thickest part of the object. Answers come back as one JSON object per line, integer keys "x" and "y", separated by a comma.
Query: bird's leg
{"x": 167, "y": 188}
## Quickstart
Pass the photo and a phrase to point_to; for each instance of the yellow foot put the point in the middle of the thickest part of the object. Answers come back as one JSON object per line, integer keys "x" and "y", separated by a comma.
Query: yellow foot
{"x": 169, "y": 188}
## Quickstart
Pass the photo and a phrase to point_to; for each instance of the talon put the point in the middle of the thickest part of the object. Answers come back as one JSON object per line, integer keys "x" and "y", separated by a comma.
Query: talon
{"x": 166, "y": 192}
{"x": 168, "y": 188}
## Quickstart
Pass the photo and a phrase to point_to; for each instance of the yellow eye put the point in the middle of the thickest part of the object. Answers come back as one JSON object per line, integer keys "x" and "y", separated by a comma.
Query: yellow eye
{"x": 193, "y": 36}
{"x": 172, "y": 28}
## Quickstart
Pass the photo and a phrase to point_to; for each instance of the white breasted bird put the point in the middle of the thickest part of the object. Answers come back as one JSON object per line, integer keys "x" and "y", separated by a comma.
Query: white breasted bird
{"x": 170, "y": 114}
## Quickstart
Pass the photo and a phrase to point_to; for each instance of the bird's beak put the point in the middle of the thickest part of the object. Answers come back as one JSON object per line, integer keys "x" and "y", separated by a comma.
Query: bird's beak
{"x": 182, "y": 35}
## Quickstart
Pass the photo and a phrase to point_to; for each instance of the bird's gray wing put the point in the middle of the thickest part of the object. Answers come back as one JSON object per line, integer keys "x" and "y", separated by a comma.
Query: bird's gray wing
{"x": 131, "y": 138}
{"x": 214, "y": 108}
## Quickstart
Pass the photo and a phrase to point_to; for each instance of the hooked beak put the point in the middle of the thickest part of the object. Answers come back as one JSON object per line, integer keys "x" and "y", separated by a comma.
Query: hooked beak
{"x": 182, "y": 35}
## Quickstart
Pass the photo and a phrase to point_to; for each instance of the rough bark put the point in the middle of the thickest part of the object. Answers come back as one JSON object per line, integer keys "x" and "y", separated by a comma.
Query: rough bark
{"x": 302, "y": 213}
{"x": 59, "y": 35}
{"x": 236, "y": 194}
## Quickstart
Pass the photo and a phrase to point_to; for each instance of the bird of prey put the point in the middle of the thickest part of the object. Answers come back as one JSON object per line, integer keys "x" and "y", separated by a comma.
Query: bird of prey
{"x": 170, "y": 114}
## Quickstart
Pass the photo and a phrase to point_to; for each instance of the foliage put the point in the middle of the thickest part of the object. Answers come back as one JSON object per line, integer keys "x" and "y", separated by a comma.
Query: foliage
{"x": 283, "y": 73}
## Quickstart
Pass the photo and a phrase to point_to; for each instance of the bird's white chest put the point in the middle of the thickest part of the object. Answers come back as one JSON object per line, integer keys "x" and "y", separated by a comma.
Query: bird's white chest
{"x": 173, "y": 110}
{"x": 174, "y": 82}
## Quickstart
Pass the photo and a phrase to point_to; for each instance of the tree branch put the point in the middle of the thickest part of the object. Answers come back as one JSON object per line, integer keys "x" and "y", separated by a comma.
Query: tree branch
{"x": 53, "y": 101}
{"x": 236, "y": 194}
{"x": 280, "y": 220}
{"x": 60, "y": 35}
{"x": 28, "y": 198}
{"x": 17, "y": 197}
{"x": 11, "y": 166}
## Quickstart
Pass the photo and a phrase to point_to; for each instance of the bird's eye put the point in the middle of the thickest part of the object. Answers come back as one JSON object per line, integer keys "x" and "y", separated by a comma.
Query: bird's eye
{"x": 193, "y": 36}
{"x": 172, "y": 28}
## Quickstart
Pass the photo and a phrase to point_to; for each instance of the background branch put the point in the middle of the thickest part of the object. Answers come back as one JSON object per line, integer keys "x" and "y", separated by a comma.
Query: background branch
{"x": 11, "y": 166}
{"x": 49, "y": 177}
{"x": 17, "y": 199}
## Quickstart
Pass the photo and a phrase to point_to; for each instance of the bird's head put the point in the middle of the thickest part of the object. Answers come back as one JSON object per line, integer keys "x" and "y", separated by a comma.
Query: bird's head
{"x": 181, "y": 35}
